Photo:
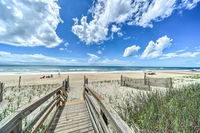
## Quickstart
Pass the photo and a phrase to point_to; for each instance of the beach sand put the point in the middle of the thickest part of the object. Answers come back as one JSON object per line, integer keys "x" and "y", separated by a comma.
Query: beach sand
{"x": 12, "y": 80}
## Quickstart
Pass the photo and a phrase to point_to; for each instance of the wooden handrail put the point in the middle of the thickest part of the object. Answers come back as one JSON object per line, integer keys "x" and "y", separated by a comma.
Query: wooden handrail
{"x": 110, "y": 117}
{"x": 13, "y": 123}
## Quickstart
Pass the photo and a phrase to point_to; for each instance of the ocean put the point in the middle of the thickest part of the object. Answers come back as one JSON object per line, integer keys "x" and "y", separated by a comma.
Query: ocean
{"x": 27, "y": 69}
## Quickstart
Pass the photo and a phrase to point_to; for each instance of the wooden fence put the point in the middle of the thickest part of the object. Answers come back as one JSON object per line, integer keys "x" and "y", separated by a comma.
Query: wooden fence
{"x": 13, "y": 123}
{"x": 1, "y": 91}
{"x": 104, "y": 117}
{"x": 146, "y": 82}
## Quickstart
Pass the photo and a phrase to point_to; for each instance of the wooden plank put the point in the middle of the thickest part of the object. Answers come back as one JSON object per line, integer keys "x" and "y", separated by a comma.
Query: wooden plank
{"x": 74, "y": 117}
{"x": 75, "y": 102}
{"x": 114, "y": 119}
{"x": 10, "y": 122}
{"x": 35, "y": 120}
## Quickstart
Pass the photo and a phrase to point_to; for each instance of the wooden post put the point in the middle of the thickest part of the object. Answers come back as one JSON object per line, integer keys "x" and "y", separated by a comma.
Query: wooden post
{"x": 1, "y": 91}
{"x": 65, "y": 84}
{"x": 19, "y": 82}
{"x": 85, "y": 81}
{"x": 149, "y": 83}
{"x": 68, "y": 83}
{"x": 171, "y": 83}
{"x": 121, "y": 81}
{"x": 145, "y": 78}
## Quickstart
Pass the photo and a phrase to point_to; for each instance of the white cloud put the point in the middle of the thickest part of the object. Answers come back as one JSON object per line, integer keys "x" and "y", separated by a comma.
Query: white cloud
{"x": 66, "y": 44}
{"x": 181, "y": 50}
{"x": 99, "y": 52}
{"x": 33, "y": 59}
{"x": 157, "y": 10}
{"x": 130, "y": 50}
{"x": 114, "y": 62}
{"x": 127, "y": 38}
{"x": 61, "y": 49}
{"x": 188, "y": 4}
{"x": 117, "y": 12}
{"x": 177, "y": 54}
{"x": 115, "y": 28}
{"x": 92, "y": 58}
{"x": 155, "y": 49}
{"x": 29, "y": 22}
{"x": 65, "y": 47}
{"x": 120, "y": 34}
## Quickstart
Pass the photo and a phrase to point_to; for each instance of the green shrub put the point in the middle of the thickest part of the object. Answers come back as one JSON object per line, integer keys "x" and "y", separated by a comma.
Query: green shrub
{"x": 176, "y": 111}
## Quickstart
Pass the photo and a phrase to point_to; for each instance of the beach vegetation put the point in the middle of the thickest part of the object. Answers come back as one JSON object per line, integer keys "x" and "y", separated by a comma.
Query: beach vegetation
{"x": 174, "y": 111}
{"x": 15, "y": 97}
{"x": 197, "y": 76}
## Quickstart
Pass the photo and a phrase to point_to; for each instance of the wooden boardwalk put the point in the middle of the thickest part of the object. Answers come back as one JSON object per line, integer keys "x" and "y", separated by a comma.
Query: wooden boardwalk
{"x": 74, "y": 109}
{"x": 72, "y": 118}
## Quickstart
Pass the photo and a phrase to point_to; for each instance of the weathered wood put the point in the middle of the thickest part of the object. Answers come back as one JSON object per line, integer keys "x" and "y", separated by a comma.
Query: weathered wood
{"x": 146, "y": 82}
{"x": 1, "y": 91}
{"x": 44, "y": 117}
{"x": 85, "y": 80}
{"x": 13, "y": 123}
{"x": 96, "y": 115}
{"x": 145, "y": 78}
{"x": 171, "y": 83}
{"x": 121, "y": 80}
{"x": 113, "y": 119}
{"x": 19, "y": 85}
{"x": 38, "y": 116}
{"x": 73, "y": 117}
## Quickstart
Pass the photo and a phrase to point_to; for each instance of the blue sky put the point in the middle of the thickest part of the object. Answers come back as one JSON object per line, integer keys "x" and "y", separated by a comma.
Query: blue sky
{"x": 100, "y": 32}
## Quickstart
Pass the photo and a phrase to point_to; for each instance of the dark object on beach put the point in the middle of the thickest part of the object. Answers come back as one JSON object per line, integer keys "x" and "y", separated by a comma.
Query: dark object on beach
{"x": 48, "y": 76}
{"x": 42, "y": 77}
{"x": 151, "y": 73}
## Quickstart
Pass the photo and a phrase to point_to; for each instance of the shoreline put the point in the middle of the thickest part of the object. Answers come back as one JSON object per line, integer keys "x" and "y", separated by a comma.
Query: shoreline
{"x": 89, "y": 72}
{"x": 35, "y": 79}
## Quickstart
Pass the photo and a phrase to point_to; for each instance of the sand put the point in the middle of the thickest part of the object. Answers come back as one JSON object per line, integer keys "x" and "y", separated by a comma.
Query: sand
{"x": 12, "y": 80}
{"x": 112, "y": 92}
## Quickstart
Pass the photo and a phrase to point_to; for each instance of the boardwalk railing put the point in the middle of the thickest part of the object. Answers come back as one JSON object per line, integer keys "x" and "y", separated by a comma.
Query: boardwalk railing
{"x": 13, "y": 123}
{"x": 146, "y": 82}
{"x": 104, "y": 118}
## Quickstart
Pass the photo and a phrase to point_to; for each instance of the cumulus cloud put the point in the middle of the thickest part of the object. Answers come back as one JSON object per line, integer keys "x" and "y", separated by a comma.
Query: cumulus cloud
{"x": 130, "y": 50}
{"x": 33, "y": 59}
{"x": 155, "y": 49}
{"x": 115, "y": 28}
{"x": 118, "y": 12}
{"x": 188, "y": 4}
{"x": 29, "y": 22}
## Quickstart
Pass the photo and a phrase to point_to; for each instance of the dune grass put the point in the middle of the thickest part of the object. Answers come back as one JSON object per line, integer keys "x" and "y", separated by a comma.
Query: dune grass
{"x": 15, "y": 97}
{"x": 193, "y": 76}
{"x": 176, "y": 111}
